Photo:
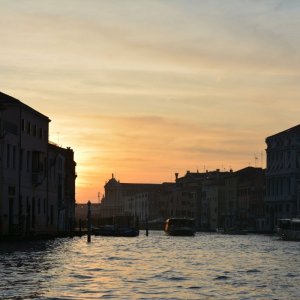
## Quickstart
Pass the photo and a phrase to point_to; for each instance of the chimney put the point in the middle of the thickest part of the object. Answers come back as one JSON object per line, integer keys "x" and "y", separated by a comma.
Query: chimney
{"x": 176, "y": 176}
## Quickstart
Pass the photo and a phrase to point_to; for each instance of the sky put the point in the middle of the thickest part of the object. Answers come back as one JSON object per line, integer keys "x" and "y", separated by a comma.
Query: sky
{"x": 144, "y": 89}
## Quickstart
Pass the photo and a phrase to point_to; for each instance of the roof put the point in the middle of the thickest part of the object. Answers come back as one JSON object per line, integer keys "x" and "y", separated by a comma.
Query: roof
{"x": 7, "y": 99}
{"x": 249, "y": 170}
{"x": 292, "y": 130}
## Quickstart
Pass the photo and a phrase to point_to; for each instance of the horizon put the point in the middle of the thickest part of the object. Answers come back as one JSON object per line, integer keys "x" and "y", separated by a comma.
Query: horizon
{"x": 147, "y": 89}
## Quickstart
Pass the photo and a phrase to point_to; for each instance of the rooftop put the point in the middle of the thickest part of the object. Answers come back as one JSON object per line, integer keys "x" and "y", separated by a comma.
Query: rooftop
{"x": 7, "y": 99}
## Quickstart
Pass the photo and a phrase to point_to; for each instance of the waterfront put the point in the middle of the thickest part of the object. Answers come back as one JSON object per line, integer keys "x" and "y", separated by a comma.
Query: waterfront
{"x": 207, "y": 266}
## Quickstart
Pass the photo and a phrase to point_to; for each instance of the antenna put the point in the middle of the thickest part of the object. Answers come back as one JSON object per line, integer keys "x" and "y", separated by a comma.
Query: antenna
{"x": 255, "y": 159}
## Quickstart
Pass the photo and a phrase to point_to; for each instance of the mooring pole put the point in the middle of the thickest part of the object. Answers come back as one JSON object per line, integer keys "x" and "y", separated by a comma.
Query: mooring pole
{"x": 80, "y": 227}
{"x": 89, "y": 222}
{"x": 147, "y": 228}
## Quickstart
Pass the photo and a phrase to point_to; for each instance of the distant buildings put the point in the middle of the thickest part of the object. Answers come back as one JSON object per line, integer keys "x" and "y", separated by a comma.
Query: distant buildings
{"x": 228, "y": 200}
{"x": 37, "y": 179}
{"x": 135, "y": 199}
{"x": 283, "y": 176}
{"x": 251, "y": 199}
{"x": 215, "y": 199}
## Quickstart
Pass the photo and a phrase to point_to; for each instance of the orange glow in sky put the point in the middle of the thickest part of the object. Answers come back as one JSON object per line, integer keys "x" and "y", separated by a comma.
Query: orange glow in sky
{"x": 144, "y": 89}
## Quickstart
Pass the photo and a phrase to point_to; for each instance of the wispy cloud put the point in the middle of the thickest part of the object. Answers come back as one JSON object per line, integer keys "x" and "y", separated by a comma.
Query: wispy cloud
{"x": 146, "y": 88}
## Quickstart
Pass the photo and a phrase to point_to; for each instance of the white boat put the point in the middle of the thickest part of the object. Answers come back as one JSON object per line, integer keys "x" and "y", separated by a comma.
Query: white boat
{"x": 289, "y": 229}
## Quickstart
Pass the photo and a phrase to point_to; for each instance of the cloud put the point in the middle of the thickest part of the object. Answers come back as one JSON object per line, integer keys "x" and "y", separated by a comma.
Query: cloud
{"x": 151, "y": 87}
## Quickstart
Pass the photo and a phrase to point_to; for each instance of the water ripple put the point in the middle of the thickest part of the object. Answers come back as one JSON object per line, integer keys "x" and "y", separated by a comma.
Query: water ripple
{"x": 208, "y": 266}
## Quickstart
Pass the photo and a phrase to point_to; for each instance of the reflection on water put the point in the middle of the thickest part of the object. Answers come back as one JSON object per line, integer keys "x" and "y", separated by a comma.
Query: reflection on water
{"x": 207, "y": 266}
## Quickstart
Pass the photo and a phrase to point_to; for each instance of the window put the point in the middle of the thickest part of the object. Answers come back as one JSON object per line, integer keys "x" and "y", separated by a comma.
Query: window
{"x": 20, "y": 207}
{"x": 11, "y": 190}
{"x": 8, "y": 156}
{"x": 14, "y": 157}
{"x": 23, "y": 125}
{"x": 51, "y": 214}
{"x": 40, "y": 133}
{"x": 60, "y": 164}
{"x": 44, "y": 206}
{"x": 37, "y": 161}
{"x": 39, "y": 206}
{"x": 287, "y": 208}
{"x": 28, "y": 161}
{"x": 33, "y": 213}
{"x": 34, "y": 130}
{"x": 28, "y": 127}
{"x": 45, "y": 136}
{"x": 21, "y": 159}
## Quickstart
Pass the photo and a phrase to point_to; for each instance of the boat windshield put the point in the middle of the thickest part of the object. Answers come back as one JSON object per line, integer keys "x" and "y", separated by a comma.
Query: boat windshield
{"x": 284, "y": 223}
{"x": 181, "y": 222}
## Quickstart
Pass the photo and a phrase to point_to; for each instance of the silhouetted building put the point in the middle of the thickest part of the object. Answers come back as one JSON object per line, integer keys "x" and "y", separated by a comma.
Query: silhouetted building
{"x": 61, "y": 188}
{"x": 250, "y": 198}
{"x": 242, "y": 205}
{"x": 29, "y": 204}
{"x": 211, "y": 200}
{"x": 118, "y": 197}
{"x": 282, "y": 176}
{"x": 137, "y": 205}
{"x": 204, "y": 192}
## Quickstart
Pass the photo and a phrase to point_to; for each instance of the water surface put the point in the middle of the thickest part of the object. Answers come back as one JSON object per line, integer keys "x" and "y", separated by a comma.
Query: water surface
{"x": 207, "y": 266}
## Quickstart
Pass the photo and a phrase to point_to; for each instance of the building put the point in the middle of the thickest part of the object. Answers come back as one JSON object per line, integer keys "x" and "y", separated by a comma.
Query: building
{"x": 118, "y": 197}
{"x": 61, "y": 188}
{"x": 137, "y": 205}
{"x": 250, "y": 198}
{"x": 212, "y": 197}
{"x": 204, "y": 191}
{"x": 29, "y": 200}
{"x": 282, "y": 176}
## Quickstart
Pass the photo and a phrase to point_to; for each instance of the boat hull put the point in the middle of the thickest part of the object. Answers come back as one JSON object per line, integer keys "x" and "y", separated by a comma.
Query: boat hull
{"x": 289, "y": 235}
{"x": 118, "y": 232}
{"x": 289, "y": 229}
{"x": 180, "y": 227}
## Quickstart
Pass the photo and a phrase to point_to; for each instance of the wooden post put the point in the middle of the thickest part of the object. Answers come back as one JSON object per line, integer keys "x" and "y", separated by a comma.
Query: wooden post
{"x": 147, "y": 228}
{"x": 89, "y": 221}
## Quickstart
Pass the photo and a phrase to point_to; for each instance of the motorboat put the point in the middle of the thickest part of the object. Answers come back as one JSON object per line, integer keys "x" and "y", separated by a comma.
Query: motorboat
{"x": 180, "y": 227}
{"x": 113, "y": 230}
{"x": 289, "y": 229}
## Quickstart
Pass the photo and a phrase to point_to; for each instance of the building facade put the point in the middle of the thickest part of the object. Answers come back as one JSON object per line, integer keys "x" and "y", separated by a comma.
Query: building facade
{"x": 61, "y": 188}
{"x": 26, "y": 197}
{"x": 137, "y": 205}
{"x": 123, "y": 199}
{"x": 282, "y": 176}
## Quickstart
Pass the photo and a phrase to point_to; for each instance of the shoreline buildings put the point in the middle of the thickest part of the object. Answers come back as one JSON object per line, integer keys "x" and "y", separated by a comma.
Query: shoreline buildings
{"x": 250, "y": 199}
{"x": 37, "y": 178}
{"x": 215, "y": 199}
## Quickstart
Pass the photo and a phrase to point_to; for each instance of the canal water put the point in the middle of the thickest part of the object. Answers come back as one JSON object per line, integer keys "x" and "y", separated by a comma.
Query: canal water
{"x": 207, "y": 266}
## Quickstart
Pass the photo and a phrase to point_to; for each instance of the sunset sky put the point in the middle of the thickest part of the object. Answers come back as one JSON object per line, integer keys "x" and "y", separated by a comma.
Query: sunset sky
{"x": 144, "y": 89}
